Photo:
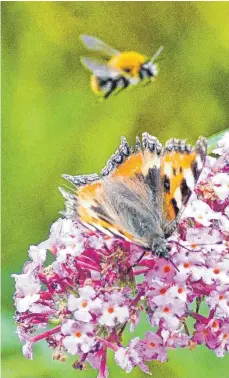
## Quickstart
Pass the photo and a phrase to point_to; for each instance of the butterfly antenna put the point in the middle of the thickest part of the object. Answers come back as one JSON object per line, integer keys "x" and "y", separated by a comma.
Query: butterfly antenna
{"x": 187, "y": 249}
{"x": 217, "y": 243}
{"x": 174, "y": 265}
{"x": 69, "y": 188}
{"x": 191, "y": 250}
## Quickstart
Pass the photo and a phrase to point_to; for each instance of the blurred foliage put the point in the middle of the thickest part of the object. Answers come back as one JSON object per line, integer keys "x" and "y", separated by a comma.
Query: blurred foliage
{"x": 53, "y": 124}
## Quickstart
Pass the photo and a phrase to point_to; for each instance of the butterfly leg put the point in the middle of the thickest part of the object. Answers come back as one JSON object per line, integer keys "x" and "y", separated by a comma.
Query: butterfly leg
{"x": 136, "y": 262}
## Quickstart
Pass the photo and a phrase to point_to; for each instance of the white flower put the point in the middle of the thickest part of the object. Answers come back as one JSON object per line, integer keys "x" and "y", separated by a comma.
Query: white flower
{"x": 209, "y": 163}
{"x": 37, "y": 255}
{"x": 77, "y": 339}
{"x": 205, "y": 235}
{"x": 73, "y": 250}
{"x": 167, "y": 312}
{"x": 66, "y": 238}
{"x": 23, "y": 304}
{"x": 218, "y": 273}
{"x": 112, "y": 314}
{"x": 226, "y": 211}
{"x": 184, "y": 270}
{"x": 224, "y": 223}
{"x": 39, "y": 308}
{"x": 78, "y": 342}
{"x": 27, "y": 350}
{"x": 84, "y": 304}
{"x": 27, "y": 289}
{"x": 179, "y": 292}
{"x": 223, "y": 145}
{"x": 96, "y": 242}
{"x": 26, "y": 284}
{"x": 168, "y": 295}
{"x": 128, "y": 357}
{"x": 220, "y": 300}
{"x": 220, "y": 184}
{"x": 202, "y": 212}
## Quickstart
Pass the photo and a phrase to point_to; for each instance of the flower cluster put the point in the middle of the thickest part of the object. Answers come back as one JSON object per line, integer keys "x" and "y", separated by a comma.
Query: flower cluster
{"x": 83, "y": 301}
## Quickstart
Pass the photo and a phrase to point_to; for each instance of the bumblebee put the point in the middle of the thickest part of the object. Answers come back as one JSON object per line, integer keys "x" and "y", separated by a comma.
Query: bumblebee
{"x": 120, "y": 69}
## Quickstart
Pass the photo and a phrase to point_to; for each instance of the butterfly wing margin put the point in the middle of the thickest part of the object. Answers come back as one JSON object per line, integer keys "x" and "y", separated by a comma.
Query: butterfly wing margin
{"x": 181, "y": 167}
{"x": 123, "y": 200}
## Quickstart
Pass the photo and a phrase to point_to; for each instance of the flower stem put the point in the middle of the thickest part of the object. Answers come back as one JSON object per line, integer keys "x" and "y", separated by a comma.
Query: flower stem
{"x": 198, "y": 317}
{"x": 140, "y": 271}
{"x": 83, "y": 264}
{"x": 107, "y": 343}
{"x": 45, "y": 335}
{"x": 102, "y": 369}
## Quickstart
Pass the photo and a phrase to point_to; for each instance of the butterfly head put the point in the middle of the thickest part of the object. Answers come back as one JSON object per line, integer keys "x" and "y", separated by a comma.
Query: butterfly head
{"x": 161, "y": 247}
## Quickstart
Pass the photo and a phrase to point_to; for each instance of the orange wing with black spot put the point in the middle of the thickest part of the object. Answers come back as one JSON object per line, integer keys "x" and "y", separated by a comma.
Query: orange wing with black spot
{"x": 125, "y": 190}
{"x": 181, "y": 166}
{"x": 89, "y": 204}
{"x": 139, "y": 194}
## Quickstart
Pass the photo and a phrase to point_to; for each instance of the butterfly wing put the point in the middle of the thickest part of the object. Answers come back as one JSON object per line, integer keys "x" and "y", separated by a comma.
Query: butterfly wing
{"x": 181, "y": 166}
{"x": 96, "y": 44}
{"x": 124, "y": 200}
{"x": 141, "y": 193}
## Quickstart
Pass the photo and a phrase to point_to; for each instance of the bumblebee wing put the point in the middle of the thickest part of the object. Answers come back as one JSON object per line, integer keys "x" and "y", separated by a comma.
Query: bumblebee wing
{"x": 100, "y": 70}
{"x": 181, "y": 166}
{"x": 96, "y": 44}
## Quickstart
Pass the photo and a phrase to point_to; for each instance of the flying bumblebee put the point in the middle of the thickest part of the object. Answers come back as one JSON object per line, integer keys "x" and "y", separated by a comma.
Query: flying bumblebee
{"x": 120, "y": 70}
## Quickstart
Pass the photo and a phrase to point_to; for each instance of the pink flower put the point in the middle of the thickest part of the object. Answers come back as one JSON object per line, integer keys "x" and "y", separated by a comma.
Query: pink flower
{"x": 77, "y": 339}
{"x": 152, "y": 348}
{"x": 175, "y": 339}
{"x": 97, "y": 287}
{"x": 201, "y": 212}
{"x": 112, "y": 313}
{"x": 223, "y": 145}
{"x": 206, "y": 333}
{"x": 129, "y": 357}
{"x": 168, "y": 314}
{"x": 85, "y": 304}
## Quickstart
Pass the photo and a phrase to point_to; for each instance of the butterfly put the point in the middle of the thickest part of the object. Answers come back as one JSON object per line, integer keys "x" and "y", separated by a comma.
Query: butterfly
{"x": 118, "y": 70}
{"x": 141, "y": 193}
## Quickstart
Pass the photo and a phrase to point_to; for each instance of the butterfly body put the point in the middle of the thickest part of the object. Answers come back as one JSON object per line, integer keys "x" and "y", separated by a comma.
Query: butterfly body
{"x": 120, "y": 69}
{"x": 141, "y": 193}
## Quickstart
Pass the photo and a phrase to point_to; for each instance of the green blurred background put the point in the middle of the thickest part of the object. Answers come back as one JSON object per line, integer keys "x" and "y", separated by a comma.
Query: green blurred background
{"x": 53, "y": 124}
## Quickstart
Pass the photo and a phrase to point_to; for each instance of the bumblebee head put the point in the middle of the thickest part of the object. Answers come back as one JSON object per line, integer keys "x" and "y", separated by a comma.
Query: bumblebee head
{"x": 129, "y": 62}
{"x": 148, "y": 70}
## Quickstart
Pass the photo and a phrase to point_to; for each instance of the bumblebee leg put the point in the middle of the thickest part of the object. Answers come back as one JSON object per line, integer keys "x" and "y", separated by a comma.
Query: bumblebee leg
{"x": 125, "y": 84}
{"x": 112, "y": 88}
{"x": 147, "y": 83}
